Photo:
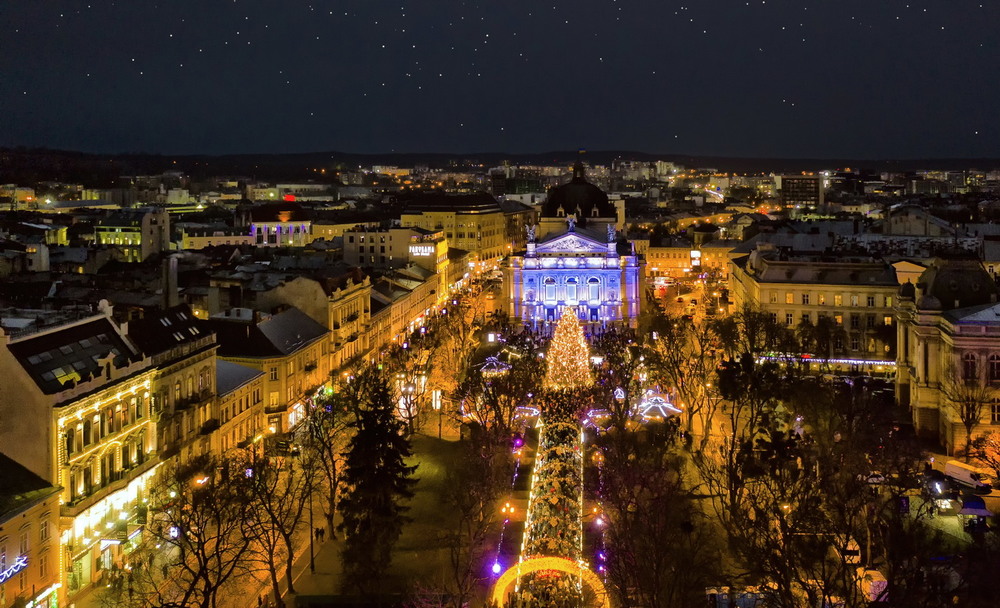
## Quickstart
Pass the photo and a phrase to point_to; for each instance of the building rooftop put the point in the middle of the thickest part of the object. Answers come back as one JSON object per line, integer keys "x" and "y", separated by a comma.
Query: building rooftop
{"x": 476, "y": 202}
{"x": 163, "y": 331}
{"x": 578, "y": 197}
{"x": 230, "y": 376}
{"x": 275, "y": 336}
{"x": 19, "y": 487}
{"x": 70, "y": 353}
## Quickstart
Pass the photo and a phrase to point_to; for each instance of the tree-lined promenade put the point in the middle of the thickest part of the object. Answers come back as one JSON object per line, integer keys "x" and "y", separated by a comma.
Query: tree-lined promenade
{"x": 755, "y": 476}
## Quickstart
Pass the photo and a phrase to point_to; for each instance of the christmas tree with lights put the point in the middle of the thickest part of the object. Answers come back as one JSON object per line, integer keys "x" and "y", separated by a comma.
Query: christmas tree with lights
{"x": 569, "y": 356}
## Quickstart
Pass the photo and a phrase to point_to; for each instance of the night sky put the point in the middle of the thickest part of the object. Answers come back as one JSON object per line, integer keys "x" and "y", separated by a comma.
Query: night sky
{"x": 809, "y": 78}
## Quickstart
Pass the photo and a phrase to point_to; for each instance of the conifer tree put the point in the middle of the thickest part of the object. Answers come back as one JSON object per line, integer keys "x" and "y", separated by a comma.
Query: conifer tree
{"x": 377, "y": 480}
{"x": 569, "y": 356}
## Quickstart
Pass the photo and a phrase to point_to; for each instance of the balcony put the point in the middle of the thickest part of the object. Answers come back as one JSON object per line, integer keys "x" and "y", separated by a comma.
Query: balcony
{"x": 210, "y": 425}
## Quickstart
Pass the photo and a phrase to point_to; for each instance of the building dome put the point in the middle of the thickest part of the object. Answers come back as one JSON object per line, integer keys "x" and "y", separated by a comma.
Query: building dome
{"x": 580, "y": 198}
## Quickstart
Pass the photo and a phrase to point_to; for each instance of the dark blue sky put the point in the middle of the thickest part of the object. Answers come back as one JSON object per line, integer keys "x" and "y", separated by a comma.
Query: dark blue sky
{"x": 818, "y": 78}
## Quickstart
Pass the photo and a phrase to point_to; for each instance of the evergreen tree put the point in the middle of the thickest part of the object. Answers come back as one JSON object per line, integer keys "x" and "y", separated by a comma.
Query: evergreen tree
{"x": 377, "y": 480}
{"x": 569, "y": 356}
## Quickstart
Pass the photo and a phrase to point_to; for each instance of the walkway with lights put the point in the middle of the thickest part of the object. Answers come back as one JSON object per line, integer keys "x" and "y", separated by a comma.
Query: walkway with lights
{"x": 550, "y": 570}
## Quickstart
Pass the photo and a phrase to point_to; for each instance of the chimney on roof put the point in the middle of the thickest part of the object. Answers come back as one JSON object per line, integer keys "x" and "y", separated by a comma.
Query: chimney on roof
{"x": 171, "y": 293}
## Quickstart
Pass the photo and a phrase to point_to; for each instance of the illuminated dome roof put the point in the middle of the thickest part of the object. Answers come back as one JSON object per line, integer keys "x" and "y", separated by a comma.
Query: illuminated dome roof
{"x": 578, "y": 197}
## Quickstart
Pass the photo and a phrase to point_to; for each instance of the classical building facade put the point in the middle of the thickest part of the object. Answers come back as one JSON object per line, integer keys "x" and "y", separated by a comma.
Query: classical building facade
{"x": 599, "y": 277}
{"x": 948, "y": 346}
{"x": 854, "y": 295}
{"x": 76, "y": 411}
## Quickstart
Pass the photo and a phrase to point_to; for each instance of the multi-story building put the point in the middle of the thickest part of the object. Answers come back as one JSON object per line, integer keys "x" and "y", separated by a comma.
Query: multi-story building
{"x": 138, "y": 233}
{"x": 283, "y": 224}
{"x": 801, "y": 191}
{"x": 597, "y": 277}
{"x": 349, "y": 310}
{"x": 473, "y": 222}
{"x": 949, "y": 347}
{"x": 182, "y": 349}
{"x": 291, "y": 349}
{"x": 199, "y": 238}
{"x": 240, "y": 406}
{"x": 856, "y": 293}
{"x": 390, "y": 247}
{"x": 328, "y": 230}
{"x": 670, "y": 258}
{"x": 76, "y": 412}
{"x": 518, "y": 216}
{"x": 30, "y": 555}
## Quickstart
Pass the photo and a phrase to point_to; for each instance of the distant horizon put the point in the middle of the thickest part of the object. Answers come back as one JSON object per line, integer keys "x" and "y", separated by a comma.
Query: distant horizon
{"x": 567, "y": 153}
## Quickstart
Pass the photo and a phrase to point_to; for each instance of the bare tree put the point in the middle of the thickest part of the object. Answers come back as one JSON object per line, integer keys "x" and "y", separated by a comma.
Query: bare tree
{"x": 280, "y": 489}
{"x": 472, "y": 490}
{"x": 684, "y": 361}
{"x": 969, "y": 394}
{"x": 624, "y": 358}
{"x": 329, "y": 426}
{"x": 199, "y": 538}
{"x": 986, "y": 449}
{"x": 660, "y": 549}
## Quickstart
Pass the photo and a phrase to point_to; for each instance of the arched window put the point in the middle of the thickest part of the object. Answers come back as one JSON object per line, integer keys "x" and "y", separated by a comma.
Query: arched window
{"x": 177, "y": 392}
{"x": 571, "y": 290}
{"x": 70, "y": 440}
{"x": 594, "y": 285}
{"x": 994, "y": 368}
{"x": 87, "y": 432}
{"x": 550, "y": 289}
{"x": 969, "y": 367}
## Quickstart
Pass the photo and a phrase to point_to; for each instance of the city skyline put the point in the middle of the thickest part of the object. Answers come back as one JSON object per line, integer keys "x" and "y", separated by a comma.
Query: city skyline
{"x": 752, "y": 79}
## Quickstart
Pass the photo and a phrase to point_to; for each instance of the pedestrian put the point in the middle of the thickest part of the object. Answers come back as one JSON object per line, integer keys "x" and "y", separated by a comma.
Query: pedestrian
{"x": 322, "y": 534}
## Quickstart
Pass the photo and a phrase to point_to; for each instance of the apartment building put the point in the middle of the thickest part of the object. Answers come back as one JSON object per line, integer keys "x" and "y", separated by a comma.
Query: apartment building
{"x": 76, "y": 407}
{"x": 856, "y": 293}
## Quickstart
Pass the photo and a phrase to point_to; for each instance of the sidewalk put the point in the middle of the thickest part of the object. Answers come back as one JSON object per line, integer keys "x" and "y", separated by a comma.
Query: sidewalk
{"x": 325, "y": 581}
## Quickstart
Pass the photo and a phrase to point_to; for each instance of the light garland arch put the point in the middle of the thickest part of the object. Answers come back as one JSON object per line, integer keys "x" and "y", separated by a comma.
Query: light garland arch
{"x": 560, "y": 564}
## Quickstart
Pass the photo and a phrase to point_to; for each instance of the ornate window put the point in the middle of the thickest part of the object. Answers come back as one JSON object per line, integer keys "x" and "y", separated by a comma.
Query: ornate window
{"x": 550, "y": 289}
{"x": 571, "y": 290}
{"x": 594, "y": 285}
{"x": 969, "y": 371}
{"x": 994, "y": 368}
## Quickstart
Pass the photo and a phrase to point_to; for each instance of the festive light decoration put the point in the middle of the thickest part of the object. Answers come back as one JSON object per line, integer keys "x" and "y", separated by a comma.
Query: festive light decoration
{"x": 569, "y": 356}
{"x": 493, "y": 367}
{"x": 655, "y": 407}
{"x": 558, "y": 564}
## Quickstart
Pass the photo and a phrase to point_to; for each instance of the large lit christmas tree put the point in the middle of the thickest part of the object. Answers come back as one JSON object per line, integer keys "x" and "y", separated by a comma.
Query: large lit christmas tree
{"x": 568, "y": 357}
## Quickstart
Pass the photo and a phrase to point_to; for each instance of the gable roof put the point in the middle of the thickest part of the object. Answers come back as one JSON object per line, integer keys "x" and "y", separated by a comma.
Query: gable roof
{"x": 276, "y": 336}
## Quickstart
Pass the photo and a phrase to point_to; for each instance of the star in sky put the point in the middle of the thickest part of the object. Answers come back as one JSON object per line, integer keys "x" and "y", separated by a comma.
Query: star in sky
{"x": 721, "y": 77}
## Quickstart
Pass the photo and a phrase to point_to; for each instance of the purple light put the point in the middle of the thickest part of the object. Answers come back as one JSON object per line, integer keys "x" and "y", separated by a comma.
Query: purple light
{"x": 496, "y": 568}
{"x": 601, "y": 556}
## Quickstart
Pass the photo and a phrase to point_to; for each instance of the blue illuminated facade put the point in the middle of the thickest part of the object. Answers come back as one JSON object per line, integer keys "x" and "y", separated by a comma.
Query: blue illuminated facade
{"x": 577, "y": 268}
